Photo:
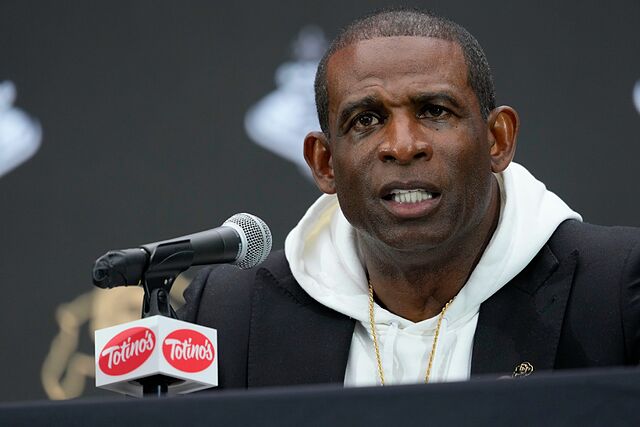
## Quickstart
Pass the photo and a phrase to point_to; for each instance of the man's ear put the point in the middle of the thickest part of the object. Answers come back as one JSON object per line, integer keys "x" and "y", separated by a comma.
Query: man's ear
{"x": 503, "y": 124}
{"x": 317, "y": 153}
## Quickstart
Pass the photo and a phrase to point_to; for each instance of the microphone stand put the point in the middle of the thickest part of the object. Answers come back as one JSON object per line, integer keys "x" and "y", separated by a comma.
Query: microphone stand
{"x": 165, "y": 264}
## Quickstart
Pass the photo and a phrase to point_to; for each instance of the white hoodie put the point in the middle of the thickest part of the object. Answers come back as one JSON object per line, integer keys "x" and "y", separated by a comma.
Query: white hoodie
{"x": 324, "y": 260}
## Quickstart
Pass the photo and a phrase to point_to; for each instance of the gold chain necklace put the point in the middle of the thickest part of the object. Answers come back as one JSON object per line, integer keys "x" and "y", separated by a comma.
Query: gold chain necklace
{"x": 372, "y": 323}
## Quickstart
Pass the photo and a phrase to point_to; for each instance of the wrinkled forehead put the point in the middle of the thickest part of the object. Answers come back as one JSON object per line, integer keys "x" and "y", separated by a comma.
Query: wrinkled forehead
{"x": 394, "y": 63}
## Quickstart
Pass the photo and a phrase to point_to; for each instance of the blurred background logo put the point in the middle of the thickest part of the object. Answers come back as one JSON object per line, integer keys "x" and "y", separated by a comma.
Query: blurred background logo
{"x": 636, "y": 96}
{"x": 280, "y": 121}
{"x": 20, "y": 135}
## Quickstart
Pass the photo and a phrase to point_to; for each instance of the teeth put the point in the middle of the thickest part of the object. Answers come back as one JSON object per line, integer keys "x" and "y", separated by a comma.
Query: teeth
{"x": 410, "y": 196}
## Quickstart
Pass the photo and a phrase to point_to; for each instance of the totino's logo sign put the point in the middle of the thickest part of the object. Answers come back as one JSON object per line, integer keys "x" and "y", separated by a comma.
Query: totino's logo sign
{"x": 127, "y": 351}
{"x": 188, "y": 350}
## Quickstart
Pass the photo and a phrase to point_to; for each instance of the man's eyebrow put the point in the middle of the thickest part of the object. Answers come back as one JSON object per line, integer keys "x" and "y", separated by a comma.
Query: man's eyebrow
{"x": 430, "y": 97}
{"x": 359, "y": 104}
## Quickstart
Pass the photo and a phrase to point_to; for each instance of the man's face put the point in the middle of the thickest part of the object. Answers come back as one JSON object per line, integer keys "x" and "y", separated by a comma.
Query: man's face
{"x": 409, "y": 148}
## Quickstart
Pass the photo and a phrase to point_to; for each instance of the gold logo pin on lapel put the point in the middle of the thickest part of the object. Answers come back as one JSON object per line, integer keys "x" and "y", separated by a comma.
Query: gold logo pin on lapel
{"x": 523, "y": 370}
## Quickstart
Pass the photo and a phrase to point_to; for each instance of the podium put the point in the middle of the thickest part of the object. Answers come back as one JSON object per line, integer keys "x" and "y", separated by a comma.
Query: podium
{"x": 571, "y": 398}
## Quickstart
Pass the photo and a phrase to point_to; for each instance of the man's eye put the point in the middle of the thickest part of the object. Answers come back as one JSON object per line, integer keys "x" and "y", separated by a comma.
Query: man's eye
{"x": 363, "y": 121}
{"x": 433, "y": 111}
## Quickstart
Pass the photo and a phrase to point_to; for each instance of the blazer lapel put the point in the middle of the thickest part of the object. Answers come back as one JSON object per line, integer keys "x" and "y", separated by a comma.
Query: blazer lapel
{"x": 293, "y": 339}
{"x": 519, "y": 327}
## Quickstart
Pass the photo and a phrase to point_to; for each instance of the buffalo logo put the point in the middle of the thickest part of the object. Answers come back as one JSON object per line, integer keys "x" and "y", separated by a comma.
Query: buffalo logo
{"x": 19, "y": 134}
{"x": 188, "y": 350}
{"x": 127, "y": 351}
{"x": 524, "y": 369}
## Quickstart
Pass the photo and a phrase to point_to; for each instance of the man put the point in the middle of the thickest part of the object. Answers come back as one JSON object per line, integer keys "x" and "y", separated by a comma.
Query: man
{"x": 431, "y": 257}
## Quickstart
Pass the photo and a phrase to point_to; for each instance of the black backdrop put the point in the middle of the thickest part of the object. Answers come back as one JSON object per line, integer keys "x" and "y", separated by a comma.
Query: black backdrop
{"x": 142, "y": 107}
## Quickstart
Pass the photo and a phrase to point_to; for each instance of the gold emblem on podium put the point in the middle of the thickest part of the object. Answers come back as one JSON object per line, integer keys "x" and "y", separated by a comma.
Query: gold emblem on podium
{"x": 524, "y": 369}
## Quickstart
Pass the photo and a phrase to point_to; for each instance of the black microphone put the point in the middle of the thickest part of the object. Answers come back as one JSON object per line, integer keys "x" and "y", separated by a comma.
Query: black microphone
{"x": 243, "y": 240}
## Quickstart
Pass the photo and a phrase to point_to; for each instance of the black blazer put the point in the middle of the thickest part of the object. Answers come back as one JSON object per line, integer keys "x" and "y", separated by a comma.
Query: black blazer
{"x": 576, "y": 305}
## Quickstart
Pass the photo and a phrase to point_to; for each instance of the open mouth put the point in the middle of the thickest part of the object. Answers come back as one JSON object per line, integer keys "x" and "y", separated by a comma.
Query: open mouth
{"x": 410, "y": 196}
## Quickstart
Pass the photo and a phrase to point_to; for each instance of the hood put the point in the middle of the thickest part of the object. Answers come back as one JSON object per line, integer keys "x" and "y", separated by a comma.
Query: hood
{"x": 323, "y": 257}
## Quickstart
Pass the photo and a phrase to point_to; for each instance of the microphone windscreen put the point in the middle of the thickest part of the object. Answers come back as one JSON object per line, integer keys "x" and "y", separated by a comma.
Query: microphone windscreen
{"x": 255, "y": 236}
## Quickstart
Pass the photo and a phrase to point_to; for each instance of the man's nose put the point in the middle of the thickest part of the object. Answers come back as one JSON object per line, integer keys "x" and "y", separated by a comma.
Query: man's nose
{"x": 404, "y": 142}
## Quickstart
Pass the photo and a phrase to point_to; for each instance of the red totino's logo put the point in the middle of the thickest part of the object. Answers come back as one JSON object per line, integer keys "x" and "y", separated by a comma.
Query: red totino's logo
{"x": 188, "y": 350}
{"x": 127, "y": 351}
